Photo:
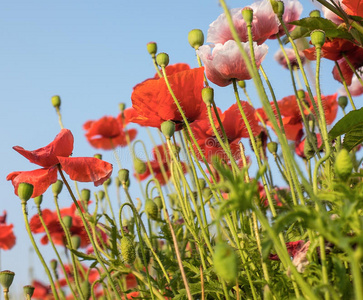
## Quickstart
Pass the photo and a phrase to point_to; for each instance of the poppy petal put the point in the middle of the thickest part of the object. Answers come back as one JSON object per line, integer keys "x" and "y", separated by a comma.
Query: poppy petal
{"x": 7, "y": 237}
{"x": 46, "y": 156}
{"x": 86, "y": 169}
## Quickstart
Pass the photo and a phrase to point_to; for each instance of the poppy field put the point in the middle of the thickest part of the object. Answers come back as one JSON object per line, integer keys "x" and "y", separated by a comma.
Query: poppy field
{"x": 259, "y": 200}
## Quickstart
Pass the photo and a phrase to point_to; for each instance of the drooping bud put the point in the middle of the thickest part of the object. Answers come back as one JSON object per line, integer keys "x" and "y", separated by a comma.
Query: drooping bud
{"x": 127, "y": 248}
{"x": 140, "y": 166}
{"x": 272, "y": 147}
{"x": 123, "y": 175}
{"x": 57, "y": 187}
{"x": 247, "y": 14}
{"x": 343, "y": 101}
{"x": 121, "y": 107}
{"x": 225, "y": 262}
{"x": 301, "y": 94}
{"x": 152, "y": 48}
{"x": 202, "y": 183}
{"x": 151, "y": 209}
{"x": 317, "y": 38}
{"x": 97, "y": 155}
{"x": 67, "y": 220}
{"x": 315, "y": 14}
{"x": 343, "y": 164}
{"x": 38, "y": 200}
{"x": 241, "y": 84}
{"x": 168, "y": 129}
{"x": 196, "y": 38}
{"x": 85, "y": 195}
{"x": 162, "y": 59}
{"x": 159, "y": 202}
{"x": 28, "y": 291}
{"x": 208, "y": 95}
{"x": 76, "y": 241}
{"x": 86, "y": 289}
{"x": 101, "y": 195}
{"x": 56, "y": 101}
{"x": 54, "y": 264}
{"x": 25, "y": 191}
{"x": 6, "y": 279}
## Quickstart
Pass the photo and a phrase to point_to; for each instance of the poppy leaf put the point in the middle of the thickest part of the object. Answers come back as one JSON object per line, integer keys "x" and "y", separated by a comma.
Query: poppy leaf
{"x": 353, "y": 137}
{"x": 347, "y": 123}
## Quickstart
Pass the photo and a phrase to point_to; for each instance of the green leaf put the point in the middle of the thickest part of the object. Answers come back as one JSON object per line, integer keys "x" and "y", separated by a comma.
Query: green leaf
{"x": 352, "y": 126}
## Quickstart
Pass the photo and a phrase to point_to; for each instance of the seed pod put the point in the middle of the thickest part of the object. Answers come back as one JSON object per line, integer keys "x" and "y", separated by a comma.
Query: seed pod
{"x": 25, "y": 191}
{"x": 28, "y": 291}
{"x": 127, "y": 248}
{"x": 6, "y": 279}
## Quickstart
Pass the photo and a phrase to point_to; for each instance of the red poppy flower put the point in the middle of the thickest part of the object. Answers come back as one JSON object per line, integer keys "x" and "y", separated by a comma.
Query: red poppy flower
{"x": 293, "y": 248}
{"x": 152, "y": 103}
{"x": 7, "y": 237}
{"x": 291, "y": 117}
{"x": 264, "y": 199}
{"x": 300, "y": 144}
{"x": 234, "y": 127}
{"x": 83, "y": 169}
{"x": 108, "y": 132}
{"x": 353, "y": 7}
{"x": 41, "y": 291}
{"x": 161, "y": 161}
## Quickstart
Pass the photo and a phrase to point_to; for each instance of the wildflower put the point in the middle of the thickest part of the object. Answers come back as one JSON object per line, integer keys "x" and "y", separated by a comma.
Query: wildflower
{"x": 41, "y": 291}
{"x": 264, "y": 24}
{"x": 355, "y": 88}
{"x": 353, "y": 7}
{"x": 291, "y": 55}
{"x": 223, "y": 62}
{"x": 108, "y": 132}
{"x": 293, "y": 249}
{"x": 152, "y": 103}
{"x": 328, "y": 14}
{"x": 83, "y": 169}
{"x": 300, "y": 145}
{"x": 7, "y": 237}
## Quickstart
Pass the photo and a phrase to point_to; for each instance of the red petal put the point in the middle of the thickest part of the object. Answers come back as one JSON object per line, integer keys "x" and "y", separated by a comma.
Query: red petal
{"x": 41, "y": 179}
{"x": 7, "y": 237}
{"x": 354, "y": 7}
{"x": 86, "y": 169}
{"x": 46, "y": 157}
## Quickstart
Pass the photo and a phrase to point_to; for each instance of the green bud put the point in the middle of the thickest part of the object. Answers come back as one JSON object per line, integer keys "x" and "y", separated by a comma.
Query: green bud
{"x": 241, "y": 84}
{"x": 343, "y": 101}
{"x": 152, "y": 48}
{"x": 168, "y": 129}
{"x": 86, "y": 289}
{"x": 6, "y": 279}
{"x": 123, "y": 175}
{"x": 57, "y": 187}
{"x": 301, "y": 94}
{"x": 162, "y": 59}
{"x": 38, "y": 200}
{"x": 317, "y": 38}
{"x": 151, "y": 209}
{"x": 272, "y": 147}
{"x": 196, "y": 38}
{"x": 158, "y": 202}
{"x": 247, "y": 14}
{"x": 207, "y": 192}
{"x": 343, "y": 164}
{"x": 67, "y": 220}
{"x": 97, "y": 155}
{"x": 208, "y": 95}
{"x": 101, "y": 195}
{"x": 309, "y": 146}
{"x": 76, "y": 241}
{"x": 315, "y": 14}
{"x": 25, "y": 191}
{"x": 140, "y": 166}
{"x": 85, "y": 195}
{"x": 127, "y": 248}
{"x": 121, "y": 107}
{"x": 108, "y": 181}
{"x": 54, "y": 264}
{"x": 278, "y": 7}
{"x": 56, "y": 101}
{"x": 225, "y": 262}
{"x": 202, "y": 183}
{"x": 28, "y": 291}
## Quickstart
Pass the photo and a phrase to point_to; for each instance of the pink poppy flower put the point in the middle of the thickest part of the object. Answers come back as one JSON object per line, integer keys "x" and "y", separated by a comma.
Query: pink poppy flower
{"x": 225, "y": 62}
{"x": 264, "y": 24}
{"x": 356, "y": 88}
{"x": 280, "y": 58}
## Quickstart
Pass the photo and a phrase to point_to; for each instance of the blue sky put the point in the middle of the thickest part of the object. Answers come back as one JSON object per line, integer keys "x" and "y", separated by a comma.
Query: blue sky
{"x": 91, "y": 53}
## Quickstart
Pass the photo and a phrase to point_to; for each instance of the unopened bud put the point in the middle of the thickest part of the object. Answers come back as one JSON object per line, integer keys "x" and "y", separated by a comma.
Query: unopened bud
{"x": 272, "y": 147}
{"x": 140, "y": 166}
{"x": 85, "y": 195}
{"x": 57, "y": 187}
{"x": 202, "y": 183}
{"x": 168, "y": 129}
{"x": 343, "y": 101}
{"x": 152, "y": 48}
{"x": 162, "y": 59}
{"x": 54, "y": 264}
{"x": 101, "y": 195}
{"x": 241, "y": 84}
{"x": 196, "y": 38}
{"x": 67, "y": 220}
{"x": 76, "y": 241}
{"x": 151, "y": 209}
{"x": 343, "y": 164}
{"x": 127, "y": 248}
{"x": 121, "y": 107}
{"x": 25, "y": 191}
{"x": 208, "y": 95}
{"x": 301, "y": 94}
{"x": 278, "y": 7}
{"x": 38, "y": 200}
{"x": 159, "y": 202}
{"x": 56, "y": 101}
{"x": 123, "y": 175}
{"x": 315, "y": 14}
{"x": 317, "y": 38}
{"x": 97, "y": 155}
{"x": 86, "y": 289}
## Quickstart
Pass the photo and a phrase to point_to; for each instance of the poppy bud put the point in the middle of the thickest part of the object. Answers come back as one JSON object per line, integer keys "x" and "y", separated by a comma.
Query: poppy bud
{"x": 67, "y": 220}
{"x": 28, "y": 291}
{"x": 278, "y": 7}
{"x": 317, "y": 38}
{"x": 301, "y": 94}
{"x": 343, "y": 101}
{"x": 208, "y": 95}
{"x": 97, "y": 155}
{"x": 343, "y": 164}
{"x": 25, "y": 191}
{"x": 56, "y": 101}
{"x": 202, "y": 183}
{"x": 315, "y": 14}
{"x": 123, "y": 175}
{"x": 127, "y": 250}
{"x": 85, "y": 195}
{"x": 207, "y": 192}
{"x": 140, "y": 166}
{"x": 38, "y": 200}
{"x": 168, "y": 128}
{"x": 152, "y": 48}
{"x": 247, "y": 14}
{"x": 272, "y": 147}
{"x": 151, "y": 209}
{"x": 6, "y": 279}
{"x": 309, "y": 146}
{"x": 101, "y": 195}
{"x": 159, "y": 202}
{"x": 225, "y": 262}
{"x": 86, "y": 289}
{"x": 117, "y": 182}
{"x": 162, "y": 59}
{"x": 121, "y": 107}
{"x": 57, "y": 187}
{"x": 54, "y": 264}
{"x": 76, "y": 241}
{"x": 241, "y": 83}
{"x": 196, "y": 38}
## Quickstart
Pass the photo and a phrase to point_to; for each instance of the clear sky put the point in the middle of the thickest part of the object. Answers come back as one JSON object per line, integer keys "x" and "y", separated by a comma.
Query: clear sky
{"x": 91, "y": 53}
